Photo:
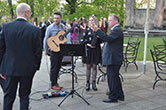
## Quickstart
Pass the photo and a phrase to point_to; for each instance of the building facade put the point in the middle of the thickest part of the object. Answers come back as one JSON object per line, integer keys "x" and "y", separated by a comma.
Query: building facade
{"x": 135, "y": 18}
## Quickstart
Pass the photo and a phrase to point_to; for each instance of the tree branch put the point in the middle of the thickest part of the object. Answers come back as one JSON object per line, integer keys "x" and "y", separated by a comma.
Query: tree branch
{"x": 68, "y": 1}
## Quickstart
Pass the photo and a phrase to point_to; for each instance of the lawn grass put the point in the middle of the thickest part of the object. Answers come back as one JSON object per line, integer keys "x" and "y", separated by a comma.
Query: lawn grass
{"x": 151, "y": 42}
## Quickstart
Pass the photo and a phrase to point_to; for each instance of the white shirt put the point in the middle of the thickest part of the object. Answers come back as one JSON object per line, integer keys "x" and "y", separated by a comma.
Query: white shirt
{"x": 21, "y": 18}
{"x": 114, "y": 26}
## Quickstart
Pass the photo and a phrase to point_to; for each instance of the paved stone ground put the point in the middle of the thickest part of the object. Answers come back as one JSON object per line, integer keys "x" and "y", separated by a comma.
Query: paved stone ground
{"x": 139, "y": 94}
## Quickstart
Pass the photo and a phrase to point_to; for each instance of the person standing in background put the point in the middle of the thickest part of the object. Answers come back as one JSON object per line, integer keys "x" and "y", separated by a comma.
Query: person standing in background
{"x": 93, "y": 54}
{"x": 68, "y": 27}
{"x": 102, "y": 24}
{"x": 6, "y": 19}
{"x": 49, "y": 21}
{"x": 20, "y": 57}
{"x": 43, "y": 26}
{"x": 106, "y": 25}
{"x": 74, "y": 33}
{"x": 35, "y": 21}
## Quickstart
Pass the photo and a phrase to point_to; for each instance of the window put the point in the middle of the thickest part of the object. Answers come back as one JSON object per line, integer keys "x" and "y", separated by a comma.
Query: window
{"x": 142, "y": 4}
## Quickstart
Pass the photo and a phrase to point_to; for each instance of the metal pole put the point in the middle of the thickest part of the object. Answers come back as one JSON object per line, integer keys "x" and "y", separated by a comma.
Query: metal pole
{"x": 146, "y": 31}
{"x": 62, "y": 9}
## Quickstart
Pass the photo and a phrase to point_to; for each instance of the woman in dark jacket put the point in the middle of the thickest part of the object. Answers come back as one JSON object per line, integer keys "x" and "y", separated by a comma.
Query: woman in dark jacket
{"x": 93, "y": 54}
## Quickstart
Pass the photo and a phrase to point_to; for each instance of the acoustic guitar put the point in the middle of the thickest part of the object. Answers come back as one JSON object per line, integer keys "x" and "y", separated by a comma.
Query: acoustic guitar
{"x": 55, "y": 41}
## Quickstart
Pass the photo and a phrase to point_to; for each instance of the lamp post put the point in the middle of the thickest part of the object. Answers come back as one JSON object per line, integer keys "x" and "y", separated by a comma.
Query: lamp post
{"x": 146, "y": 31}
{"x": 62, "y": 9}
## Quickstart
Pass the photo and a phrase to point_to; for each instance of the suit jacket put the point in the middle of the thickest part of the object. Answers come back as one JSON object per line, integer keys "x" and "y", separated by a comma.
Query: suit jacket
{"x": 43, "y": 27}
{"x": 20, "y": 48}
{"x": 48, "y": 23}
{"x": 0, "y": 28}
{"x": 113, "y": 48}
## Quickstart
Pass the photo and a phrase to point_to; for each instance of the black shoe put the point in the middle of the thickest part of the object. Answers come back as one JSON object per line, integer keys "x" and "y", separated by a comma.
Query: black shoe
{"x": 110, "y": 100}
{"x": 87, "y": 86}
{"x": 94, "y": 86}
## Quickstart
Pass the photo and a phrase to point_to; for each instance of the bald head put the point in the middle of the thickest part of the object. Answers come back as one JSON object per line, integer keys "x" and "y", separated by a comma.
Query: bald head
{"x": 21, "y": 9}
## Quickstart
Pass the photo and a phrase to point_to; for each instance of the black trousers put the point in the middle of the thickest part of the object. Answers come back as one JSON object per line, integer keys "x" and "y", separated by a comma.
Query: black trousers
{"x": 56, "y": 60}
{"x": 114, "y": 82}
{"x": 11, "y": 84}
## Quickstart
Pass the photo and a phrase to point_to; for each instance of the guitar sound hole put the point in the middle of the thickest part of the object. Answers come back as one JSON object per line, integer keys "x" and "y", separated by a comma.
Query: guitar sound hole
{"x": 61, "y": 38}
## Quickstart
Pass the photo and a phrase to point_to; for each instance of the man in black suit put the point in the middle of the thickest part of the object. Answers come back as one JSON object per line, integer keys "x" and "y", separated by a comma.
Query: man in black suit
{"x": 2, "y": 80}
{"x": 43, "y": 27}
{"x": 49, "y": 21}
{"x": 20, "y": 57}
{"x": 112, "y": 57}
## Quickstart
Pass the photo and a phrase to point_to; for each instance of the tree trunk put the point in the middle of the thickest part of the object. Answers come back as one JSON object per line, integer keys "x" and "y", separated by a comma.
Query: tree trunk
{"x": 11, "y": 8}
{"x": 72, "y": 5}
{"x": 72, "y": 8}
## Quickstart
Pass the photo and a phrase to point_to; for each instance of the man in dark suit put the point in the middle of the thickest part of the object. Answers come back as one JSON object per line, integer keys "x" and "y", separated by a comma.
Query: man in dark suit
{"x": 112, "y": 57}
{"x": 20, "y": 57}
{"x": 43, "y": 27}
{"x": 49, "y": 21}
{"x": 1, "y": 80}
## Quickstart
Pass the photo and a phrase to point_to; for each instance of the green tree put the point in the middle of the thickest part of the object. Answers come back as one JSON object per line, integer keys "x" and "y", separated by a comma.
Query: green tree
{"x": 11, "y": 8}
{"x": 42, "y": 7}
{"x": 73, "y": 8}
{"x": 102, "y": 8}
{"x": 105, "y": 7}
{"x": 73, "y": 4}
{"x": 142, "y": 3}
{"x": 4, "y": 10}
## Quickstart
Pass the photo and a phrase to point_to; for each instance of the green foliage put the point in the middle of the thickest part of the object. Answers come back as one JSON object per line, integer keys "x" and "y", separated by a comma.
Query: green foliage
{"x": 106, "y": 7}
{"x": 102, "y": 8}
{"x": 82, "y": 10}
{"x": 4, "y": 10}
{"x": 43, "y": 7}
{"x": 150, "y": 43}
{"x": 143, "y": 3}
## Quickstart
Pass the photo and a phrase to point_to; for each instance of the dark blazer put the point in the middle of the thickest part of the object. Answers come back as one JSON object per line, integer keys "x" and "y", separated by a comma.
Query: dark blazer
{"x": 48, "y": 23}
{"x": 40, "y": 25}
{"x": 20, "y": 48}
{"x": 0, "y": 28}
{"x": 113, "y": 48}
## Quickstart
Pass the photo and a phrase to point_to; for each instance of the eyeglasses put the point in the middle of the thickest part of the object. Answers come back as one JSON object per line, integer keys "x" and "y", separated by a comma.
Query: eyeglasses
{"x": 56, "y": 18}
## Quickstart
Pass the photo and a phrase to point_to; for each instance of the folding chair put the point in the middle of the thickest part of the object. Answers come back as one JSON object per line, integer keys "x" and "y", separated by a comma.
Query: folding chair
{"x": 159, "y": 61}
{"x": 164, "y": 40}
{"x": 101, "y": 77}
{"x": 66, "y": 67}
{"x": 131, "y": 52}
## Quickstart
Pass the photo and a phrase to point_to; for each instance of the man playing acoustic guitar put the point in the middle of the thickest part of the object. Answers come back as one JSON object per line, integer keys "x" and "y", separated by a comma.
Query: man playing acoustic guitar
{"x": 55, "y": 57}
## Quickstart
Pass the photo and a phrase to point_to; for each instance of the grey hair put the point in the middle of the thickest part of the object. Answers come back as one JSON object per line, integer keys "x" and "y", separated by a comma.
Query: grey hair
{"x": 115, "y": 17}
{"x": 21, "y": 8}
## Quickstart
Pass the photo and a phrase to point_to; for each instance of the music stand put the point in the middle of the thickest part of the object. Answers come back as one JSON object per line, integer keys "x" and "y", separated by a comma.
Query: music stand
{"x": 72, "y": 50}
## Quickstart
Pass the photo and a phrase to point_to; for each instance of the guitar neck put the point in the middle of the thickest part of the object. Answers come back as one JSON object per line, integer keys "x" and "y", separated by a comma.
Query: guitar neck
{"x": 70, "y": 30}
